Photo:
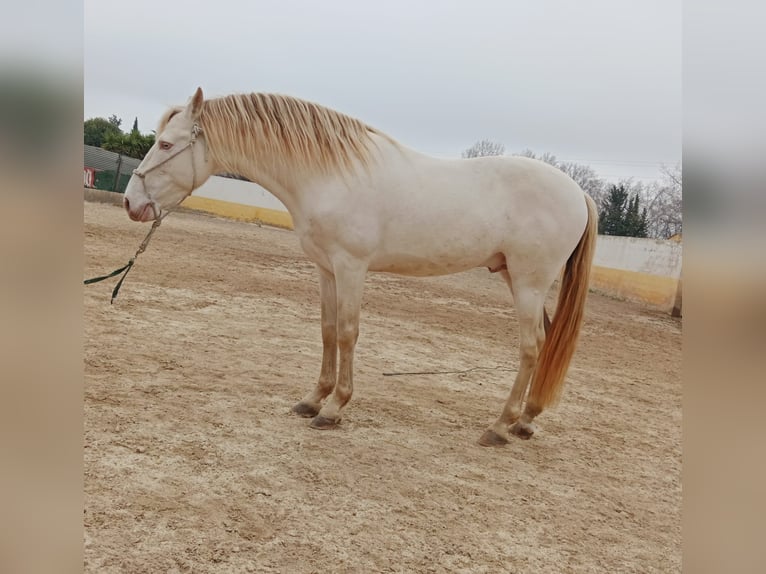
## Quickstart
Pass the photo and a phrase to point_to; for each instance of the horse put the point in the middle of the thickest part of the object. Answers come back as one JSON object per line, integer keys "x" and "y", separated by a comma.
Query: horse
{"x": 362, "y": 202}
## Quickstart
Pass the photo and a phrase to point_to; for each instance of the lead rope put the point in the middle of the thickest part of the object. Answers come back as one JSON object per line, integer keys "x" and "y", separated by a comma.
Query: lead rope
{"x": 141, "y": 248}
{"x": 129, "y": 266}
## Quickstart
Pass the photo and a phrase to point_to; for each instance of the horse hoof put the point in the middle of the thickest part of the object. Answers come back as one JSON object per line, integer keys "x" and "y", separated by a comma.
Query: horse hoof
{"x": 523, "y": 431}
{"x": 322, "y": 423}
{"x": 305, "y": 410}
{"x": 491, "y": 438}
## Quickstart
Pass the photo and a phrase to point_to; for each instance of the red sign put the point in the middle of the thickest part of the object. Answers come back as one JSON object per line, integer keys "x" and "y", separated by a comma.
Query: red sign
{"x": 90, "y": 177}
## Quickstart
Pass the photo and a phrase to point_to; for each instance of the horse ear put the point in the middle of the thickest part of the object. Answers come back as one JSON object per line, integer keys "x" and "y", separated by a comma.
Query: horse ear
{"x": 195, "y": 105}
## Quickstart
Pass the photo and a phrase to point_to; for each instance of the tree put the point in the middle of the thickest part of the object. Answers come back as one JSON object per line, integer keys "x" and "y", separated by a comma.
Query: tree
{"x": 484, "y": 148}
{"x": 134, "y": 144}
{"x": 620, "y": 213}
{"x": 547, "y": 157}
{"x": 106, "y": 134}
{"x": 586, "y": 178}
{"x": 635, "y": 221}
{"x": 663, "y": 203}
{"x": 97, "y": 129}
{"x": 612, "y": 212}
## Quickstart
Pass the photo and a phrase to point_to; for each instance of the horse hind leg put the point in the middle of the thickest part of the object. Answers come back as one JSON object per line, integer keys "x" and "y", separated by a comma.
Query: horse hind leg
{"x": 530, "y": 312}
{"x": 523, "y": 427}
{"x": 500, "y": 266}
{"x": 310, "y": 405}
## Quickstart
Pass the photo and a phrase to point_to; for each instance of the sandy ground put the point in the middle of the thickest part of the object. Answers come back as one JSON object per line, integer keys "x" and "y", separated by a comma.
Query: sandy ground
{"x": 193, "y": 462}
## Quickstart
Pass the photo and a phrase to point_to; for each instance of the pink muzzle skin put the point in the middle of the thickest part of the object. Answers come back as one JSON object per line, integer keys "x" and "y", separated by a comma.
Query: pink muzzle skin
{"x": 145, "y": 213}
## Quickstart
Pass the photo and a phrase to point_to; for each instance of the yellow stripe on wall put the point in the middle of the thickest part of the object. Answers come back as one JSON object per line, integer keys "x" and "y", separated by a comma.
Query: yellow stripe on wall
{"x": 240, "y": 212}
{"x": 653, "y": 289}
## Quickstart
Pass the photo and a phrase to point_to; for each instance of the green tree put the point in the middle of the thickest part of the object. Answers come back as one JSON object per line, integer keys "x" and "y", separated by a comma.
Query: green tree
{"x": 106, "y": 133}
{"x": 134, "y": 144}
{"x": 620, "y": 213}
{"x": 97, "y": 129}
{"x": 635, "y": 220}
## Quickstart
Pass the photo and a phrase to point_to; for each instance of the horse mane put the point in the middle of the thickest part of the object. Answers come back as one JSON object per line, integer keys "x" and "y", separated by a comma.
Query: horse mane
{"x": 277, "y": 128}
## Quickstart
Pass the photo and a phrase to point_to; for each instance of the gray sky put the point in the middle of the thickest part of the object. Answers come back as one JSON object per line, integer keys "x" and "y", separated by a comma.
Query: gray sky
{"x": 598, "y": 82}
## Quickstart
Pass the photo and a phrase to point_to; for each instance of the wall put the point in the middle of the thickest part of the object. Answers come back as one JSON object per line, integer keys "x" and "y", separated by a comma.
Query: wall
{"x": 241, "y": 200}
{"x": 646, "y": 270}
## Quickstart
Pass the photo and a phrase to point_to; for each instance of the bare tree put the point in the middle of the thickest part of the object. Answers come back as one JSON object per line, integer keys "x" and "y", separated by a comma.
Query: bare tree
{"x": 484, "y": 148}
{"x": 547, "y": 157}
{"x": 586, "y": 178}
{"x": 663, "y": 203}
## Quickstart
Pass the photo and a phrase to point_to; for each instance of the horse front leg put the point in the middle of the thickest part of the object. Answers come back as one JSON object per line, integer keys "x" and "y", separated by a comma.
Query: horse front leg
{"x": 349, "y": 281}
{"x": 310, "y": 405}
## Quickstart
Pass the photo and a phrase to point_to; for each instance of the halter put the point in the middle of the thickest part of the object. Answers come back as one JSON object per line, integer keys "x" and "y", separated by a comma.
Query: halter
{"x": 195, "y": 131}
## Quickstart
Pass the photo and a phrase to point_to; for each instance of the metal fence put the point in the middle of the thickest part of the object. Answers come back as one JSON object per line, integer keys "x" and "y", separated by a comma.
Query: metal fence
{"x": 112, "y": 169}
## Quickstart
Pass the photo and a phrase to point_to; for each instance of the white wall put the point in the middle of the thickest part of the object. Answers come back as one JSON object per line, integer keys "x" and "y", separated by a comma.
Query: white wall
{"x": 237, "y": 191}
{"x": 652, "y": 256}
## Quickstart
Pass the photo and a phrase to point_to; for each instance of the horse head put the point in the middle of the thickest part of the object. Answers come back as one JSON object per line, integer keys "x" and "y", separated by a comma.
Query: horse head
{"x": 175, "y": 166}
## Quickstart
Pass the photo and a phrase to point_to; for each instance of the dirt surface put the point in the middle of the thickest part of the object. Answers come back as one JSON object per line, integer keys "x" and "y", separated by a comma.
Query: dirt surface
{"x": 193, "y": 462}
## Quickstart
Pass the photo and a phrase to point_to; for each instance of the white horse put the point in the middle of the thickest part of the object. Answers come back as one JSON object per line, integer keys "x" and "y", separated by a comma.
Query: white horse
{"x": 360, "y": 201}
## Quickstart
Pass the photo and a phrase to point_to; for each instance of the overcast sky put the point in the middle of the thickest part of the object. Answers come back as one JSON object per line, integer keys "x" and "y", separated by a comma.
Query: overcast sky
{"x": 598, "y": 82}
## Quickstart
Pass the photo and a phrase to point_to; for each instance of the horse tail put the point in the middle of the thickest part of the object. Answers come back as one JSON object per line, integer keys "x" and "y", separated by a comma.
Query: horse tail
{"x": 561, "y": 338}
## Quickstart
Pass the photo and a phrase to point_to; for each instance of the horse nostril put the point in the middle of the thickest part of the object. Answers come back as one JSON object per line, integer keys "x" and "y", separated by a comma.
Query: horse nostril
{"x": 126, "y": 203}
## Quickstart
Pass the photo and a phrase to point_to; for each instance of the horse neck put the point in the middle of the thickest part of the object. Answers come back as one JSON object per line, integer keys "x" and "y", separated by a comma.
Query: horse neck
{"x": 289, "y": 178}
{"x": 266, "y": 171}
{"x": 277, "y": 174}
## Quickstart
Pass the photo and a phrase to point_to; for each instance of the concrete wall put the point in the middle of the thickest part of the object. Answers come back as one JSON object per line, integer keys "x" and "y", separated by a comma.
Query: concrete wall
{"x": 647, "y": 270}
{"x": 239, "y": 200}
{"x": 237, "y": 191}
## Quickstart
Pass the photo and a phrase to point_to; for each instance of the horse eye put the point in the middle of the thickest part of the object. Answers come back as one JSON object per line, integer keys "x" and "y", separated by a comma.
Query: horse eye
{"x": 166, "y": 145}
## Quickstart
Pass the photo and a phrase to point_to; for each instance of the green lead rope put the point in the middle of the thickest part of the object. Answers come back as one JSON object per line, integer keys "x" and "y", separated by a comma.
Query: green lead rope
{"x": 126, "y": 268}
{"x": 112, "y": 274}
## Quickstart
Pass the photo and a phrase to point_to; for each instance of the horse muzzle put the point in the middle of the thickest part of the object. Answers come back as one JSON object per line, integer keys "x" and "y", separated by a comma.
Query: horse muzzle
{"x": 142, "y": 212}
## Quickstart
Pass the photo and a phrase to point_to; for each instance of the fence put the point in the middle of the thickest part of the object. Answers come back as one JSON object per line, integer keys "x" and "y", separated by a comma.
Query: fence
{"x": 109, "y": 171}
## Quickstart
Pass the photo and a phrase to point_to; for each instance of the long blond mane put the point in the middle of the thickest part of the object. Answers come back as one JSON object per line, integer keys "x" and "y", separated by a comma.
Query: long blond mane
{"x": 277, "y": 128}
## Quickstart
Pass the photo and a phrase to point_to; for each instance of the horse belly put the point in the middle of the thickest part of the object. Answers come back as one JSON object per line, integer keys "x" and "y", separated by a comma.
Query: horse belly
{"x": 447, "y": 258}
{"x": 455, "y": 241}
{"x": 404, "y": 264}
